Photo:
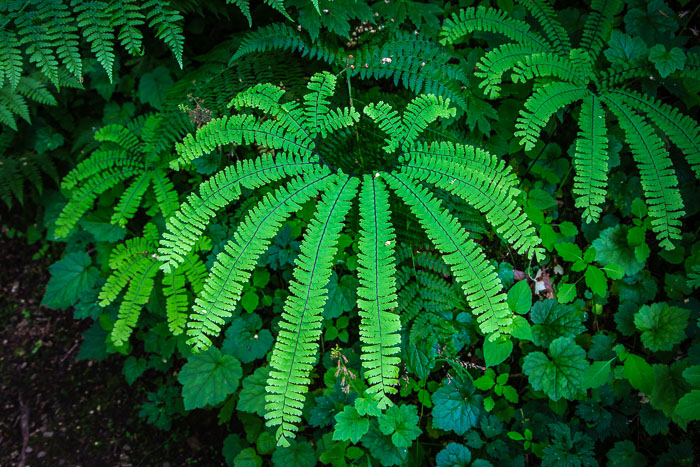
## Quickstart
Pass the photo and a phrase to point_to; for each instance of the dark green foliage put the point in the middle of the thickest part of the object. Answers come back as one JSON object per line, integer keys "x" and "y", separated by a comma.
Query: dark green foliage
{"x": 327, "y": 247}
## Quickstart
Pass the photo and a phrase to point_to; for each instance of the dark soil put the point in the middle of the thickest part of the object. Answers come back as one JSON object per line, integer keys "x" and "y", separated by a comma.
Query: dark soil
{"x": 55, "y": 410}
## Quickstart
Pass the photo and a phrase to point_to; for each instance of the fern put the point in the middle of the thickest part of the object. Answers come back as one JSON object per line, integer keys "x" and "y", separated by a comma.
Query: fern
{"x": 564, "y": 76}
{"x": 377, "y": 292}
{"x": 293, "y": 132}
{"x": 47, "y": 33}
{"x": 134, "y": 267}
{"x": 121, "y": 156}
{"x": 591, "y": 159}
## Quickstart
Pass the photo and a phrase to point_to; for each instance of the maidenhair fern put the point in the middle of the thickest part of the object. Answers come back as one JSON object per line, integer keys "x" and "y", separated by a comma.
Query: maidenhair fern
{"x": 134, "y": 154}
{"x": 291, "y": 133}
{"x": 135, "y": 269}
{"x": 564, "y": 76}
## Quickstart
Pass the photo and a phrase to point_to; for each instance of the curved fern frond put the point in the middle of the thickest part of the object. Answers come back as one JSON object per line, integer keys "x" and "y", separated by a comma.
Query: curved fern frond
{"x": 10, "y": 58}
{"x": 234, "y": 265}
{"x": 492, "y": 20}
{"x": 591, "y": 159}
{"x": 541, "y": 106}
{"x": 168, "y": 21}
{"x": 421, "y": 112}
{"x": 480, "y": 283}
{"x": 682, "y": 130}
{"x": 83, "y": 199}
{"x": 239, "y": 129}
{"x": 136, "y": 296}
{"x": 596, "y": 31}
{"x": 95, "y": 20}
{"x": 498, "y": 61}
{"x": 175, "y": 301}
{"x": 189, "y": 221}
{"x": 130, "y": 200}
{"x": 266, "y": 97}
{"x": 166, "y": 196}
{"x": 541, "y": 65}
{"x": 280, "y": 36}
{"x": 658, "y": 178}
{"x": 300, "y": 328}
{"x": 388, "y": 121}
{"x": 376, "y": 294}
{"x": 126, "y": 15}
{"x": 481, "y": 188}
{"x": 553, "y": 29}
{"x": 318, "y": 117}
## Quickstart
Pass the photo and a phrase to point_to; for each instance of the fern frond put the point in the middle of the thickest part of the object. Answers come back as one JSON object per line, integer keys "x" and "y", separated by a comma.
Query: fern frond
{"x": 421, "y": 112}
{"x": 279, "y": 36}
{"x": 99, "y": 161}
{"x": 376, "y": 293}
{"x": 388, "y": 121}
{"x": 187, "y": 224}
{"x": 10, "y": 58}
{"x": 498, "y": 61}
{"x": 175, "y": 301}
{"x": 168, "y": 22}
{"x": 479, "y": 185}
{"x": 682, "y": 130}
{"x": 266, "y": 97}
{"x": 119, "y": 135}
{"x": 238, "y": 129}
{"x": 553, "y": 29}
{"x": 598, "y": 27}
{"x": 83, "y": 198}
{"x": 420, "y": 65}
{"x": 300, "y": 328}
{"x": 541, "y": 106}
{"x": 541, "y": 65}
{"x": 656, "y": 169}
{"x": 166, "y": 196}
{"x": 491, "y": 20}
{"x": 481, "y": 284}
{"x": 610, "y": 78}
{"x": 591, "y": 159}
{"x": 127, "y": 15}
{"x": 136, "y": 296}
{"x": 130, "y": 200}
{"x": 95, "y": 20}
{"x": 321, "y": 87}
{"x": 234, "y": 265}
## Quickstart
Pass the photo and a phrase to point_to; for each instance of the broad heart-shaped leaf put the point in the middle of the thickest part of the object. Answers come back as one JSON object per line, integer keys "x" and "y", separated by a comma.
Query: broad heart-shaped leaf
{"x": 692, "y": 375}
{"x": 350, "y": 425}
{"x": 624, "y": 454}
{"x": 559, "y": 375}
{"x": 247, "y": 458}
{"x": 497, "y": 351}
{"x": 209, "y": 377}
{"x": 520, "y": 297}
{"x": 662, "y": 326}
{"x": 597, "y": 374}
{"x": 380, "y": 447}
{"x": 456, "y": 407}
{"x": 666, "y": 61}
{"x": 69, "y": 277}
{"x": 624, "y": 49}
{"x": 596, "y": 281}
{"x": 551, "y": 319}
{"x": 454, "y": 455}
{"x": 297, "y": 454}
{"x": 689, "y": 406}
{"x": 342, "y": 295}
{"x": 639, "y": 373}
{"x": 612, "y": 247}
{"x": 245, "y": 340}
{"x": 569, "y": 252}
{"x": 252, "y": 396}
{"x": 401, "y": 422}
{"x": 153, "y": 87}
